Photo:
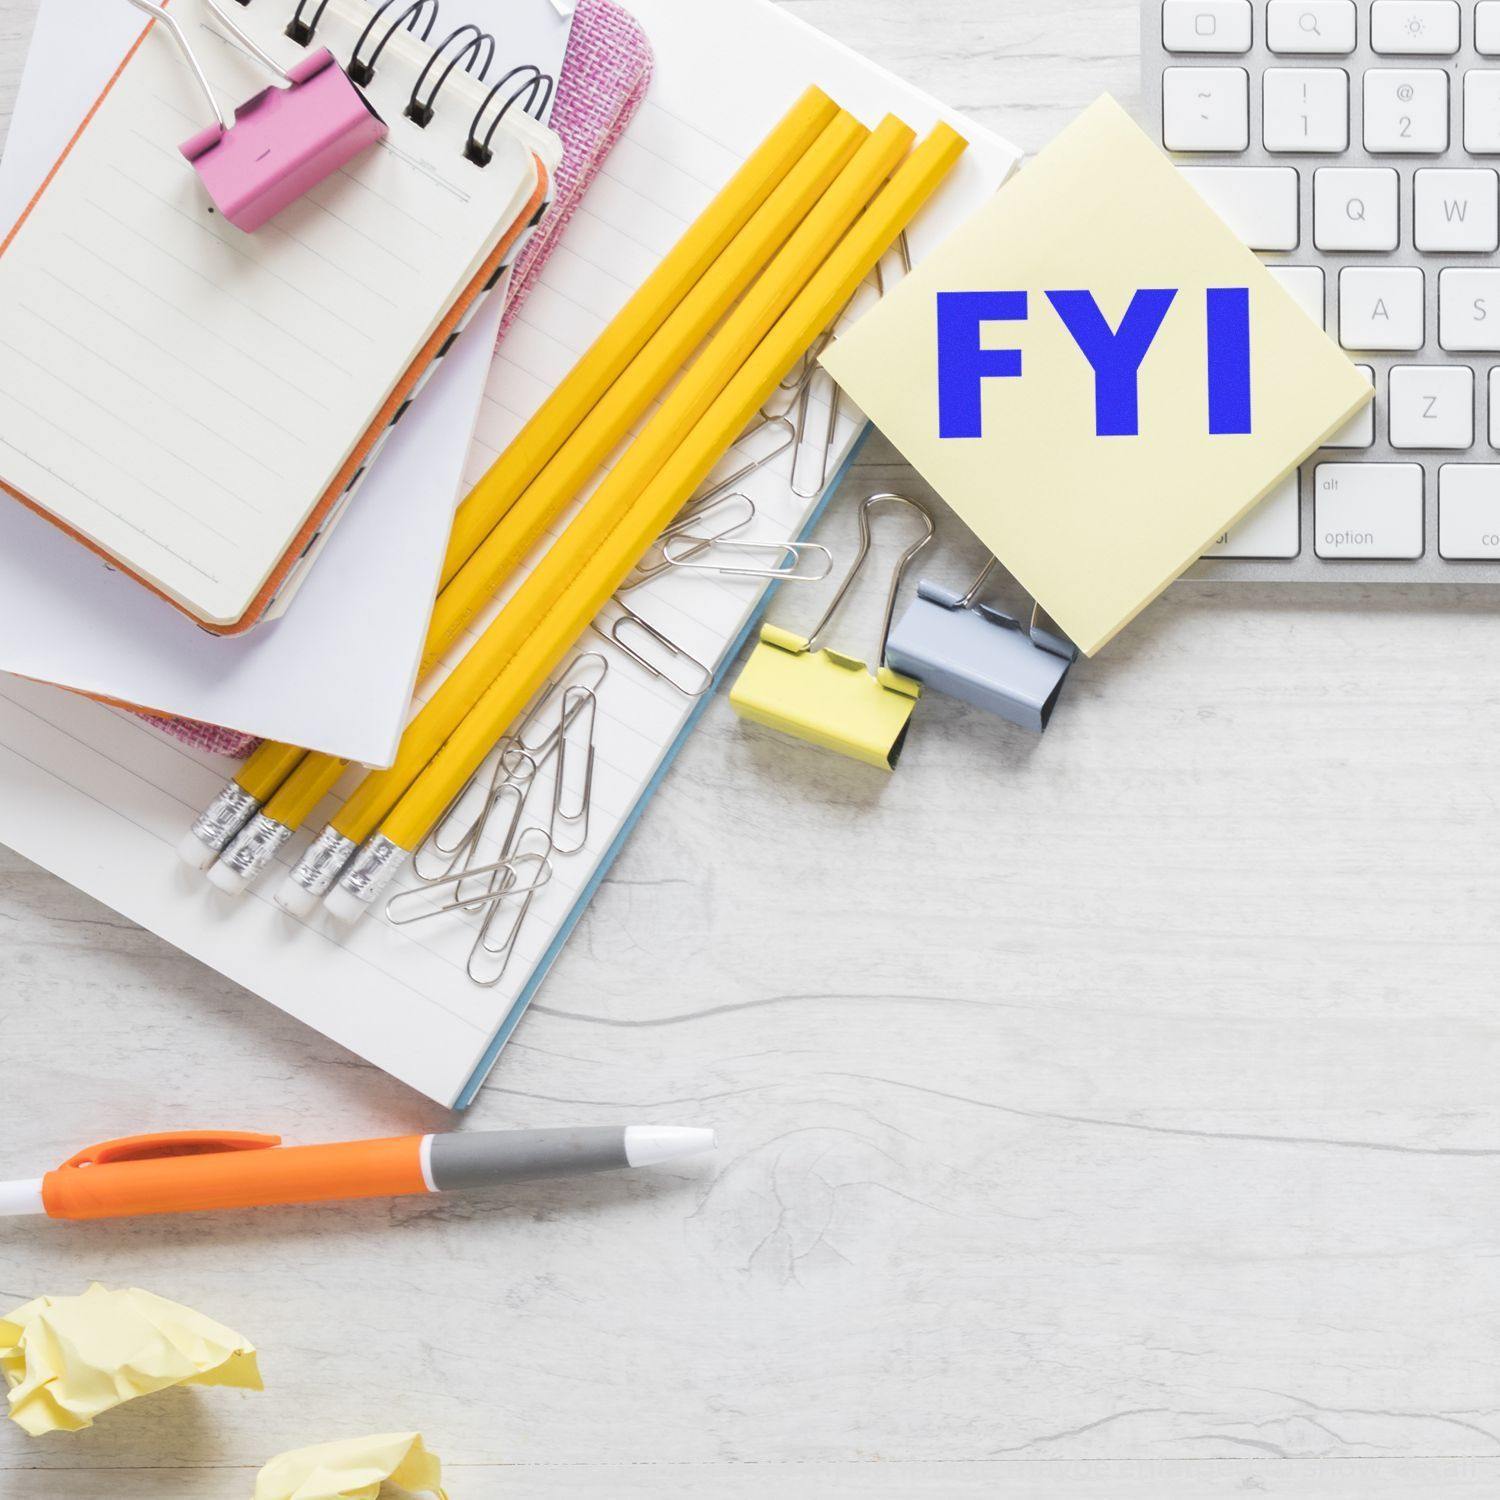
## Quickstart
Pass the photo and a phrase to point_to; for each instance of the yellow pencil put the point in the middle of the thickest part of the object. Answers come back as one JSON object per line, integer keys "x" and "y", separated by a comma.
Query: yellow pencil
{"x": 740, "y": 332}
{"x": 611, "y": 419}
{"x": 555, "y": 421}
{"x": 557, "y": 627}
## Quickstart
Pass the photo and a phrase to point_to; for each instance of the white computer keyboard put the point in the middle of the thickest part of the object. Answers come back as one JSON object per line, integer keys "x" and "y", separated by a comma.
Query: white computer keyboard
{"x": 1356, "y": 145}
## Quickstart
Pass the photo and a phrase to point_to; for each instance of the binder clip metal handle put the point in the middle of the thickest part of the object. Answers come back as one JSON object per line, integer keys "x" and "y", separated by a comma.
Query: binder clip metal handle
{"x": 283, "y": 141}
{"x": 975, "y": 651}
{"x": 823, "y": 696}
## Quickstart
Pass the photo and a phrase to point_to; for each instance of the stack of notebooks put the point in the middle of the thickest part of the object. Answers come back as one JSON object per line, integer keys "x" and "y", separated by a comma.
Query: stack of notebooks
{"x": 95, "y": 795}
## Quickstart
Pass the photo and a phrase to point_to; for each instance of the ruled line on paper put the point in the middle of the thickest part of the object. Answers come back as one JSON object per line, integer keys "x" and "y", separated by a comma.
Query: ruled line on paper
{"x": 112, "y": 459}
{"x": 279, "y": 423}
{"x": 306, "y": 395}
{"x": 158, "y": 249}
{"x": 134, "y": 378}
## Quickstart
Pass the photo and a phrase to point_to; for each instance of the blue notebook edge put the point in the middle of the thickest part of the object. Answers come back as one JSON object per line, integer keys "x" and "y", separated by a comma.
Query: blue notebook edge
{"x": 491, "y": 1056}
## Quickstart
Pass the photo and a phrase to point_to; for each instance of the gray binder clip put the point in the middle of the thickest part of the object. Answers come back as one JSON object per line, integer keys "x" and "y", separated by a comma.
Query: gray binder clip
{"x": 974, "y": 651}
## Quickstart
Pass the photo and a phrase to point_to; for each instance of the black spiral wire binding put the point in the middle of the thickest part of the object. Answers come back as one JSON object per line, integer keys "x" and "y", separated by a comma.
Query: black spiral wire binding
{"x": 301, "y": 31}
{"x": 362, "y": 69}
{"x": 536, "y": 88}
{"x": 418, "y": 109}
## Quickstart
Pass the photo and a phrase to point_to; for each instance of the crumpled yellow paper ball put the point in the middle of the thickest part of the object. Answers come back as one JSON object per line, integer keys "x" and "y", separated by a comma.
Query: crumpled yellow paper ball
{"x": 69, "y": 1359}
{"x": 352, "y": 1470}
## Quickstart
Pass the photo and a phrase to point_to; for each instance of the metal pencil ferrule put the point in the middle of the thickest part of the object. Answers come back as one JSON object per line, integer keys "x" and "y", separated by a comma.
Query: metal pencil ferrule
{"x": 372, "y": 869}
{"x": 254, "y": 847}
{"x": 322, "y": 861}
{"x": 230, "y": 810}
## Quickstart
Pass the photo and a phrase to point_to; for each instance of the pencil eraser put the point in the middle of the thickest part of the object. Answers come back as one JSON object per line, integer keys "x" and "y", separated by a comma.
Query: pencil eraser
{"x": 294, "y": 899}
{"x": 343, "y": 906}
{"x": 228, "y": 880}
{"x": 194, "y": 853}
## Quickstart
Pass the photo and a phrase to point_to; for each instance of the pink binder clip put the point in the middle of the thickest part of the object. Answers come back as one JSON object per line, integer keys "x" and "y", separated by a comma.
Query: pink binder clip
{"x": 282, "y": 142}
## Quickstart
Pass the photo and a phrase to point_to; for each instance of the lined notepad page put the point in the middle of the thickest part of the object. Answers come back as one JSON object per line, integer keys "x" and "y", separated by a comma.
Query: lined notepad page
{"x": 101, "y": 800}
{"x": 182, "y": 393}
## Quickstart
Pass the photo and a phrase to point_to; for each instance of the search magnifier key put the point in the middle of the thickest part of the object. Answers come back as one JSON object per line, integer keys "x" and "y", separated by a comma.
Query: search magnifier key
{"x": 1325, "y": 27}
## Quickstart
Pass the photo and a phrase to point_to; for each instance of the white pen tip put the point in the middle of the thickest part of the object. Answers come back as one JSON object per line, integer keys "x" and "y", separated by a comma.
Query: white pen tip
{"x": 646, "y": 1145}
{"x": 227, "y": 879}
{"x": 194, "y": 853}
{"x": 17, "y": 1198}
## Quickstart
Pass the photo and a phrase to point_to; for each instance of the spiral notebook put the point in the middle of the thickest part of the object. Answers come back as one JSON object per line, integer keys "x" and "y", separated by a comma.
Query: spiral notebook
{"x": 197, "y": 404}
{"x": 101, "y": 800}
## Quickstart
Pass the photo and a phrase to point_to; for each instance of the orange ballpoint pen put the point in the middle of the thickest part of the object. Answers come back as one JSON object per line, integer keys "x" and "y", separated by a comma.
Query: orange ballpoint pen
{"x": 190, "y": 1171}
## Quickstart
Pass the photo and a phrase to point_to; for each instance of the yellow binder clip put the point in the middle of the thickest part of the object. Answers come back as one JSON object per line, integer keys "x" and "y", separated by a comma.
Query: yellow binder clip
{"x": 825, "y": 697}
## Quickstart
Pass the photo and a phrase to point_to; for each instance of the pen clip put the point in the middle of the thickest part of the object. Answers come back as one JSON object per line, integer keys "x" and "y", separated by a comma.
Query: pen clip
{"x": 170, "y": 1143}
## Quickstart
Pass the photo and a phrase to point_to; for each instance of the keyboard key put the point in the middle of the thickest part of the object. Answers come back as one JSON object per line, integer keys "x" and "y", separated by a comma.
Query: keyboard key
{"x": 1432, "y": 406}
{"x": 1381, "y": 307}
{"x": 1469, "y": 511}
{"x": 1487, "y": 28}
{"x": 1406, "y": 109}
{"x": 1354, "y": 208}
{"x": 1367, "y": 510}
{"x": 1456, "y": 210}
{"x": 1469, "y": 309}
{"x": 1305, "y": 286}
{"x": 1205, "y": 109}
{"x": 1495, "y": 408}
{"x": 1305, "y": 109}
{"x": 1258, "y": 203}
{"x": 1359, "y": 430}
{"x": 1426, "y": 26}
{"x": 1272, "y": 529}
{"x": 1482, "y": 111}
{"x": 1206, "y": 25}
{"x": 1315, "y": 26}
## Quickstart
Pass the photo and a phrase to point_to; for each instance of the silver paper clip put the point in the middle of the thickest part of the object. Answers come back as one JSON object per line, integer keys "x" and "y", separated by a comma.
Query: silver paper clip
{"x": 728, "y": 514}
{"x": 504, "y": 874}
{"x": 761, "y": 424}
{"x": 698, "y": 679}
{"x": 570, "y": 807}
{"x": 488, "y": 960}
{"x": 791, "y": 562}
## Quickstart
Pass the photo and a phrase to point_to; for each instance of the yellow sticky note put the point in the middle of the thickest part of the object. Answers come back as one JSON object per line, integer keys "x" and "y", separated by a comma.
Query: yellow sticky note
{"x": 1097, "y": 375}
{"x": 352, "y": 1470}
{"x": 69, "y": 1359}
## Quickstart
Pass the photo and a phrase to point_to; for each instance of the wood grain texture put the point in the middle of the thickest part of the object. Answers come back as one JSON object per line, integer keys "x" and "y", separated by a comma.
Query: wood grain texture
{"x": 1103, "y": 1116}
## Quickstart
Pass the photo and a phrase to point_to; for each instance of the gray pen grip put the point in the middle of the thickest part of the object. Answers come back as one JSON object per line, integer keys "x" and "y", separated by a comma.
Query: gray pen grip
{"x": 482, "y": 1158}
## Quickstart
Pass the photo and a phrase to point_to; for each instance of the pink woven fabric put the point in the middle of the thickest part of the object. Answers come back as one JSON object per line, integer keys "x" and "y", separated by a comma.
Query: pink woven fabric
{"x": 604, "y": 79}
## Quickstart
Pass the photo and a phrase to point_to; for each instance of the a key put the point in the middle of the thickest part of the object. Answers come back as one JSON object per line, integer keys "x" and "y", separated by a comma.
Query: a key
{"x": 1305, "y": 109}
{"x": 1272, "y": 529}
{"x": 1359, "y": 430}
{"x": 1406, "y": 110}
{"x": 1313, "y": 26}
{"x": 1305, "y": 286}
{"x": 1431, "y": 406}
{"x": 1469, "y": 309}
{"x": 1482, "y": 111}
{"x": 1367, "y": 510}
{"x": 1425, "y": 26}
{"x": 1354, "y": 208}
{"x": 1456, "y": 209}
{"x": 1495, "y": 408}
{"x": 1205, "y": 109}
{"x": 1258, "y": 203}
{"x": 1206, "y": 25}
{"x": 1381, "y": 307}
{"x": 1487, "y": 28}
{"x": 1469, "y": 511}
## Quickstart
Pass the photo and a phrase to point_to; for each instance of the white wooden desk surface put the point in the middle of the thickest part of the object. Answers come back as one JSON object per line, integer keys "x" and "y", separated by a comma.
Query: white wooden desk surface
{"x": 1115, "y": 1115}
